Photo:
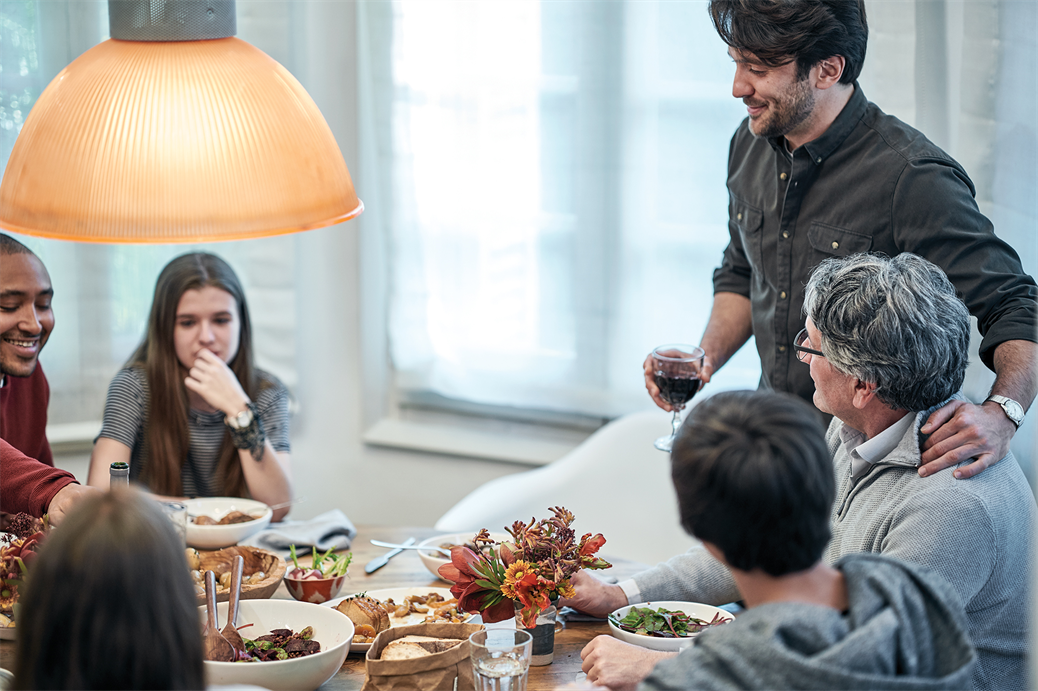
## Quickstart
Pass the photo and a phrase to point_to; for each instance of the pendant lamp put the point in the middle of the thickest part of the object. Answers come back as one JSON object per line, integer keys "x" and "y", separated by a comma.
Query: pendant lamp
{"x": 174, "y": 131}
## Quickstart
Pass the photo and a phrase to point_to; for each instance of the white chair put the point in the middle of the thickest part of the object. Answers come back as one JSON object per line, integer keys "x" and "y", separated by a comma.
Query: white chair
{"x": 615, "y": 483}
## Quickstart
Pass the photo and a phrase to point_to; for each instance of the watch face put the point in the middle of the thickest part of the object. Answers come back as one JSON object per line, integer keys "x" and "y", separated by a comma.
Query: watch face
{"x": 1015, "y": 411}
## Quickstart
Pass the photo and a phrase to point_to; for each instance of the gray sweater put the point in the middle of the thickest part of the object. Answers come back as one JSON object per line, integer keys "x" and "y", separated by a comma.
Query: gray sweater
{"x": 903, "y": 629}
{"x": 976, "y": 533}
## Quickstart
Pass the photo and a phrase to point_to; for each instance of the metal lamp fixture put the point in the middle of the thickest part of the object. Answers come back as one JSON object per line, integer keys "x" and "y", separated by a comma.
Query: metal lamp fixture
{"x": 174, "y": 131}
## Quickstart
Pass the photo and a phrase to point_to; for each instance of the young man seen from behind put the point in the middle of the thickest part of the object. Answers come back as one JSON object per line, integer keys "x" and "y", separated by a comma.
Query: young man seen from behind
{"x": 754, "y": 482}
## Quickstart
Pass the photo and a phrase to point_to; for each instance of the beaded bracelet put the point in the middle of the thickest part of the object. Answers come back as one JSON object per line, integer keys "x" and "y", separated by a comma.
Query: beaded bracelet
{"x": 251, "y": 438}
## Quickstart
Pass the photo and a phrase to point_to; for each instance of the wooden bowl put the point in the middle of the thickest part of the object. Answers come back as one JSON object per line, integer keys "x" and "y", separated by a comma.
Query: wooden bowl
{"x": 219, "y": 562}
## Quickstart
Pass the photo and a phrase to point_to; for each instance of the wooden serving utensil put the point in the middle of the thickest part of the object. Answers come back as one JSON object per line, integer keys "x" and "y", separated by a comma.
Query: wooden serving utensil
{"x": 215, "y": 645}
{"x": 229, "y": 631}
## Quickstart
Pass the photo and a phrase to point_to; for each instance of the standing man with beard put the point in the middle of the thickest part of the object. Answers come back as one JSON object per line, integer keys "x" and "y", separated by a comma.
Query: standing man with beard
{"x": 29, "y": 482}
{"x": 817, "y": 171}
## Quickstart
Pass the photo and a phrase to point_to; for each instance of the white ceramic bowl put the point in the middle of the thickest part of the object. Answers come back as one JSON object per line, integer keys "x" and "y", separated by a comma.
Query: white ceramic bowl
{"x": 331, "y": 629}
{"x": 433, "y": 559}
{"x": 670, "y": 645}
{"x": 217, "y": 536}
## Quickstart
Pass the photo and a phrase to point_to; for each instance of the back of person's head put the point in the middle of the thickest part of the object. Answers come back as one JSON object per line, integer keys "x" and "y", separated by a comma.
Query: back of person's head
{"x": 109, "y": 603}
{"x": 896, "y": 323}
{"x": 753, "y": 476}
{"x": 809, "y": 31}
{"x": 8, "y": 245}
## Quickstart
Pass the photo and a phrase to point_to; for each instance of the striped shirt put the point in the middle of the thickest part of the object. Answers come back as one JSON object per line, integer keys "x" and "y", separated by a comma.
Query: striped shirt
{"x": 125, "y": 418}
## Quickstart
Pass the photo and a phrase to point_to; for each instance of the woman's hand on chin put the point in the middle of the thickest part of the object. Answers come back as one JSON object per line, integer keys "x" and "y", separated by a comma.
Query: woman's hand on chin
{"x": 213, "y": 380}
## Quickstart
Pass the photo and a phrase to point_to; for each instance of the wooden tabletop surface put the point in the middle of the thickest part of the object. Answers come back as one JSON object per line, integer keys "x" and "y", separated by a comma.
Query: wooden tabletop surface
{"x": 407, "y": 570}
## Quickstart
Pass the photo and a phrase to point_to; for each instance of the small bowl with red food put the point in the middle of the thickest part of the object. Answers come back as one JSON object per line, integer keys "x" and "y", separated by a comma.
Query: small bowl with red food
{"x": 322, "y": 580}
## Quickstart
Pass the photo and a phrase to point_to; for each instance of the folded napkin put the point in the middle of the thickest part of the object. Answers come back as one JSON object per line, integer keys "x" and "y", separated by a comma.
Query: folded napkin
{"x": 330, "y": 529}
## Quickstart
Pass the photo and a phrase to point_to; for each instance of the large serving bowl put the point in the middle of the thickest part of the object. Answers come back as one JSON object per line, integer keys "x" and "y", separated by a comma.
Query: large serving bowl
{"x": 433, "y": 559}
{"x": 217, "y": 536}
{"x": 331, "y": 629}
{"x": 669, "y": 645}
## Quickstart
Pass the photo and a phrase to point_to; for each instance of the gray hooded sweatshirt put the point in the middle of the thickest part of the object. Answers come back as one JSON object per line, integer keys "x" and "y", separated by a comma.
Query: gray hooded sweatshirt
{"x": 904, "y": 629}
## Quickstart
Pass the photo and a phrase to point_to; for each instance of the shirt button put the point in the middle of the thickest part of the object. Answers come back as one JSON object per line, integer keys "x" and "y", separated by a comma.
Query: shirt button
{"x": 785, "y": 233}
{"x": 738, "y": 216}
{"x": 782, "y": 176}
{"x": 818, "y": 160}
{"x": 782, "y": 349}
{"x": 836, "y": 245}
{"x": 782, "y": 295}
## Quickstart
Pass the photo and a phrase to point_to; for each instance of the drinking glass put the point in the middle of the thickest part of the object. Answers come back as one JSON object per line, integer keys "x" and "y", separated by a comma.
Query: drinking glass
{"x": 500, "y": 659}
{"x": 177, "y": 513}
{"x": 676, "y": 369}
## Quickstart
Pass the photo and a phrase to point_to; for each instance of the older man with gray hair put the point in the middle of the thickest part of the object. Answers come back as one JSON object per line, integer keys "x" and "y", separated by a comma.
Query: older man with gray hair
{"x": 887, "y": 343}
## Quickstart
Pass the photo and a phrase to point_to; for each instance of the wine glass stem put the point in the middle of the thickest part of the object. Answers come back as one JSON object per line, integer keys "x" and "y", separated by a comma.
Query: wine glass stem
{"x": 675, "y": 422}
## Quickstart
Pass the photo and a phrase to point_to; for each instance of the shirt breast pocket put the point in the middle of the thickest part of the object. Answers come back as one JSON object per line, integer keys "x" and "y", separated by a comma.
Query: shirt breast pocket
{"x": 838, "y": 242}
{"x": 748, "y": 221}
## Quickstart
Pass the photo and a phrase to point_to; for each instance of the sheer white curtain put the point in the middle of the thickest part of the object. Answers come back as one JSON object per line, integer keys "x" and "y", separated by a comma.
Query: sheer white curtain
{"x": 103, "y": 292}
{"x": 557, "y": 185}
{"x": 555, "y": 174}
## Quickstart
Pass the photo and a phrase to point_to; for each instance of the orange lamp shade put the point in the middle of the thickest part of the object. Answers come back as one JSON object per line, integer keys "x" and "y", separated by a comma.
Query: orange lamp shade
{"x": 178, "y": 141}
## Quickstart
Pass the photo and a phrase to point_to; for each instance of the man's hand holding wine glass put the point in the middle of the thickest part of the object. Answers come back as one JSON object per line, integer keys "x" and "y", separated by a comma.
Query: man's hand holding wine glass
{"x": 677, "y": 371}
{"x": 654, "y": 391}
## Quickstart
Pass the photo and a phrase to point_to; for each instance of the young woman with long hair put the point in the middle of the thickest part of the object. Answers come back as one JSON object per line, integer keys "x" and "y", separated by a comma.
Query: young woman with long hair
{"x": 189, "y": 412}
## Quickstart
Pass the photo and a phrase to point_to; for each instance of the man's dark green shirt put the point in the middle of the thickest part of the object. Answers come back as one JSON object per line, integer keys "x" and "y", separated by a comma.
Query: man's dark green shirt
{"x": 871, "y": 183}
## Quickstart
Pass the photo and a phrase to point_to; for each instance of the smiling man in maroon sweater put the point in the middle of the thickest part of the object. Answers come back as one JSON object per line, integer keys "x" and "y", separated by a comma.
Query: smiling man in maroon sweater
{"x": 29, "y": 482}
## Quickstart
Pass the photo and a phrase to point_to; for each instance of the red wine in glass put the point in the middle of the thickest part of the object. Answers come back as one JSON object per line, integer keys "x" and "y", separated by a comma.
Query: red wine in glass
{"x": 677, "y": 390}
{"x": 676, "y": 369}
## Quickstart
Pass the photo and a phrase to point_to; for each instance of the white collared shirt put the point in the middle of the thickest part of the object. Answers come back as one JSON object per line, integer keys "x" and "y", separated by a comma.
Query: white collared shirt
{"x": 871, "y": 451}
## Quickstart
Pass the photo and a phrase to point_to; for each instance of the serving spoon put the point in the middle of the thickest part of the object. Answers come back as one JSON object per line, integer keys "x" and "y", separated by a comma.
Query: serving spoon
{"x": 230, "y": 631}
{"x": 216, "y": 647}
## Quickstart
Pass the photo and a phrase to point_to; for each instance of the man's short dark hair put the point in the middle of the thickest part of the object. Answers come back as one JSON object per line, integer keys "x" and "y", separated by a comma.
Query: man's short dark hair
{"x": 808, "y": 31}
{"x": 8, "y": 245}
{"x": 754, "y": 477}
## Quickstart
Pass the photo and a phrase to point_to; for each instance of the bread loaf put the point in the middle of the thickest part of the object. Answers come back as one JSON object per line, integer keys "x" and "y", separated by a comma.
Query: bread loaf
{"x": 365, "y": 610}
{"x": 410, "y": 647}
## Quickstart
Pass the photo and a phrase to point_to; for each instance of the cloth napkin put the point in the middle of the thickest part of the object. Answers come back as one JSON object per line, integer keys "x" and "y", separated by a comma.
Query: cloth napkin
{"x": 330, "y": 529}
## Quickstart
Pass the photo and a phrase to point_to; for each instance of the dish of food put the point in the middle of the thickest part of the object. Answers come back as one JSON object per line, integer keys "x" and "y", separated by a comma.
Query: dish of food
{"x": 668, "y": 625}
{"x": 230, "y": 519}
{"x": 377, "y": 610}
{"x": 220, "y": 533}
{"x": 322, "y": 581}
{"x": 257, "y": 617}
{"x": 261, "y": 576}
{"x": 433, "y": 559}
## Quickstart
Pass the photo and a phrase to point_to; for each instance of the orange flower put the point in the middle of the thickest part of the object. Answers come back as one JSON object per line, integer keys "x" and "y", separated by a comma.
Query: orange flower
{"x": 519, "y": 576}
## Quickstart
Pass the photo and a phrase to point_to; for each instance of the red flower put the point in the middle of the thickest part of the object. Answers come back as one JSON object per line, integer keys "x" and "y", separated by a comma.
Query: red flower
{"x": 465, "y": 569}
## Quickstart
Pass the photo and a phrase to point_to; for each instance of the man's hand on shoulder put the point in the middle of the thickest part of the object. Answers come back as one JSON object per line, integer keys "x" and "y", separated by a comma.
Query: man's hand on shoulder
{"x": 65, "y": 500}
{"x": 594, "y": 597}
{"x": 617, "y": 665}
{"x": 960, "y": 431}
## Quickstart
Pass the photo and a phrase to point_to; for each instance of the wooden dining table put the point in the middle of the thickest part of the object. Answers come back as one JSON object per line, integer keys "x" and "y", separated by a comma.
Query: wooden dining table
{"x": 407, "y": 570}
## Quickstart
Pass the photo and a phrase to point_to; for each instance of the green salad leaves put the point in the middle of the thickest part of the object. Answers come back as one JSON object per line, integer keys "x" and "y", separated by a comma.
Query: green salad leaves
{"x": 663, "y": 623}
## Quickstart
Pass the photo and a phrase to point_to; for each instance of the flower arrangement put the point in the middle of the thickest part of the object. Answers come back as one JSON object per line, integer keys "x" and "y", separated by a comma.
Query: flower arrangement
{"x": 530, "y": 571}
{"x": 17, "y": 550}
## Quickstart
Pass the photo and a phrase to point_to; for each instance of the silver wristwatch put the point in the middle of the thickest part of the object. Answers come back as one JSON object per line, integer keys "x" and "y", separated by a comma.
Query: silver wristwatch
{"x": 1014, "y": 411}
{"x": 240, "y": 421}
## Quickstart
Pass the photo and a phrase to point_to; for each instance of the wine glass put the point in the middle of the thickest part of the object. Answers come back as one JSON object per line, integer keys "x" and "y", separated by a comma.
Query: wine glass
{"x": 676, "y": 369}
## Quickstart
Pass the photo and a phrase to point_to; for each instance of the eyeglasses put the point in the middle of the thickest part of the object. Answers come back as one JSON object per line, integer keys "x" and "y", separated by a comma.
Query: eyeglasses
{"x": 802, "y": 351}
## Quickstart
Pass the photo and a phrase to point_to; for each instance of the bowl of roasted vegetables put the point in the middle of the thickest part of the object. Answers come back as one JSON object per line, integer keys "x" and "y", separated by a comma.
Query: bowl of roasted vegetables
{"x": 669, "y": 626}
{"x": 288, "y": 645}
{"x": 215, "y": 522}
{"x": 321, "y": 580}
